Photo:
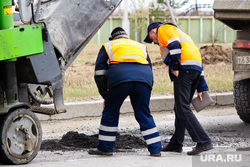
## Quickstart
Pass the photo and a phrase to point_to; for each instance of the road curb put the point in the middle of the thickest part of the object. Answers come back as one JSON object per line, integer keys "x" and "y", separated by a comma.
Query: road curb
{"x": 159, "y": 103}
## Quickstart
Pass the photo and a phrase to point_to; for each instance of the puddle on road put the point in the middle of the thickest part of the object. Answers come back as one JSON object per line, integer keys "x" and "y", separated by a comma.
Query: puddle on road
{"x": 77, "y": 141}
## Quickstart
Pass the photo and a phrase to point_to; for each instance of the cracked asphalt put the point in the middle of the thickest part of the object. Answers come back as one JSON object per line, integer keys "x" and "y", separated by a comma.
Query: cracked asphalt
{"x": 62, "y": 141}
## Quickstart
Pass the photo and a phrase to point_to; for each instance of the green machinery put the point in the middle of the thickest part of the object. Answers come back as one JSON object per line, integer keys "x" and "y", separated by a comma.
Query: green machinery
{"x": 32, "y": 66}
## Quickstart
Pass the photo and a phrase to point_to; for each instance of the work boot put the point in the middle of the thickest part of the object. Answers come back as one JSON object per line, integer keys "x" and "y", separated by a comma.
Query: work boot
{"x": 155, "y": 155}
{"x": 98, "y": 152}
{"x": 198, "y": 149}
{"x": 171, "y": 149}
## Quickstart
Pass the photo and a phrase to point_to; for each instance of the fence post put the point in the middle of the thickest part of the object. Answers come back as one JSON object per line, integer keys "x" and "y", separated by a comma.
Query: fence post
{"x": 213, "y": 29}
{"x": 201, "y": 31}
{"x": 136, "y": 28}
{"x": 225, "y": 33}
{"x": 189, "y": 23}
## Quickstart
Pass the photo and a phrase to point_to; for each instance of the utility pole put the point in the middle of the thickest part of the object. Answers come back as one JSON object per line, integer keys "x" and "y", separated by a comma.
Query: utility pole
{"x": 125, "y": 21}
{"x": 196, "y": 7}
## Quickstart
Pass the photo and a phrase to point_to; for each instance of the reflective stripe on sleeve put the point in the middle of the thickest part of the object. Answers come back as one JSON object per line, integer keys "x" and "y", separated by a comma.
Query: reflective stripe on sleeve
{"x": 100, "y": 72}
{"x": 106, "y": 138}
{"x": 153, "y": 140}
{"x": 149, "y": 131}
{"x": 108, "y": 129}
{"x": 175, "y": 51}
{"x": 173, "y": 39}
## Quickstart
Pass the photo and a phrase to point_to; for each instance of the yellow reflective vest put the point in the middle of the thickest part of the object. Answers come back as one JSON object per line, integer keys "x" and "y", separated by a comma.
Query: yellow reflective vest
{"x": 126, "y": 50}
{"x": 190, "y": 54}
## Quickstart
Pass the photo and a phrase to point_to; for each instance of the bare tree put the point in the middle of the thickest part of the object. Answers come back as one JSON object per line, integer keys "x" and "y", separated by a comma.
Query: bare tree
{"x": 159, "y": 11}
{"x": 140, "y": 17}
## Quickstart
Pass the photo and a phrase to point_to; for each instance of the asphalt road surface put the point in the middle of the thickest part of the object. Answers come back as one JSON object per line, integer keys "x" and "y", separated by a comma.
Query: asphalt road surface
{"x": 63, "y": 142}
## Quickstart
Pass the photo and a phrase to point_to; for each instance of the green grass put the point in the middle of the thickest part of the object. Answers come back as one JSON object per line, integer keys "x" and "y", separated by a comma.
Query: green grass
{"x": 76, "y": 92}
{"x": 219, "y": 77}
{"x": 80, "y": 84}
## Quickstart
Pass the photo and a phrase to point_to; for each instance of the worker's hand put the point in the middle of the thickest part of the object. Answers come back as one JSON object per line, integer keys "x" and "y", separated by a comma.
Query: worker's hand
{"x": 200, "y": 95}
{"x": 103, "y": 105}
{"x": 176, "y": 73}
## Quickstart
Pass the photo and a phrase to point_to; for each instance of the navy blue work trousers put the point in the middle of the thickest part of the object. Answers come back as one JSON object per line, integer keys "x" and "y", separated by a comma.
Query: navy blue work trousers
{"x": 139, "y": 93}
{"x": 184, "y": 88}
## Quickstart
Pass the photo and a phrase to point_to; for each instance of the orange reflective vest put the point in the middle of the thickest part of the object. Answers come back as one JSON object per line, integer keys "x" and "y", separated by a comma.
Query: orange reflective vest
{"x": 190, "y": 54}
{"x": 126, "y": 50}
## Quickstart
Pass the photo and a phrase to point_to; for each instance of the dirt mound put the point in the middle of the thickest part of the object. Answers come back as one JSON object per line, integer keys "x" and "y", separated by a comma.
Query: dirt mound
{"x": 214, "y": 54}
{"x": 75, "y": 141}
{"x": 210, "y": 54}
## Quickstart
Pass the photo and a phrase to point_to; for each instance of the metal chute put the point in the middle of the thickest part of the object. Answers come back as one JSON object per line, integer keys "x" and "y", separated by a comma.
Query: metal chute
{"x": 72, "y": 23}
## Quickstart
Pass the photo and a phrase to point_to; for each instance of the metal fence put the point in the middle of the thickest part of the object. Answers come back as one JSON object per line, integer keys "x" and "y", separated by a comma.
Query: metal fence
{"x": 202, "y": 29}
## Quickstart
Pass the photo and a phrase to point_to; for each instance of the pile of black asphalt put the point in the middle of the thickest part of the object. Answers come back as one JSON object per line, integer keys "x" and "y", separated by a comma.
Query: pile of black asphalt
{"x": 78, "y": 141}
{"x": 236, "y": 136}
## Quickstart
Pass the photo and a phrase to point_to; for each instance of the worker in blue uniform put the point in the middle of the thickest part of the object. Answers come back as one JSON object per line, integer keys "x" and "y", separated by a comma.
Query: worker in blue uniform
{"x": 179, "y": 52}
{"x": 123, "y": 68}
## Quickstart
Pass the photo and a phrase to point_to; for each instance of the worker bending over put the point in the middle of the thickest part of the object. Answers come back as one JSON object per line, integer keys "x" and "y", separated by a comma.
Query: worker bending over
{"x": 123, "y": 68}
